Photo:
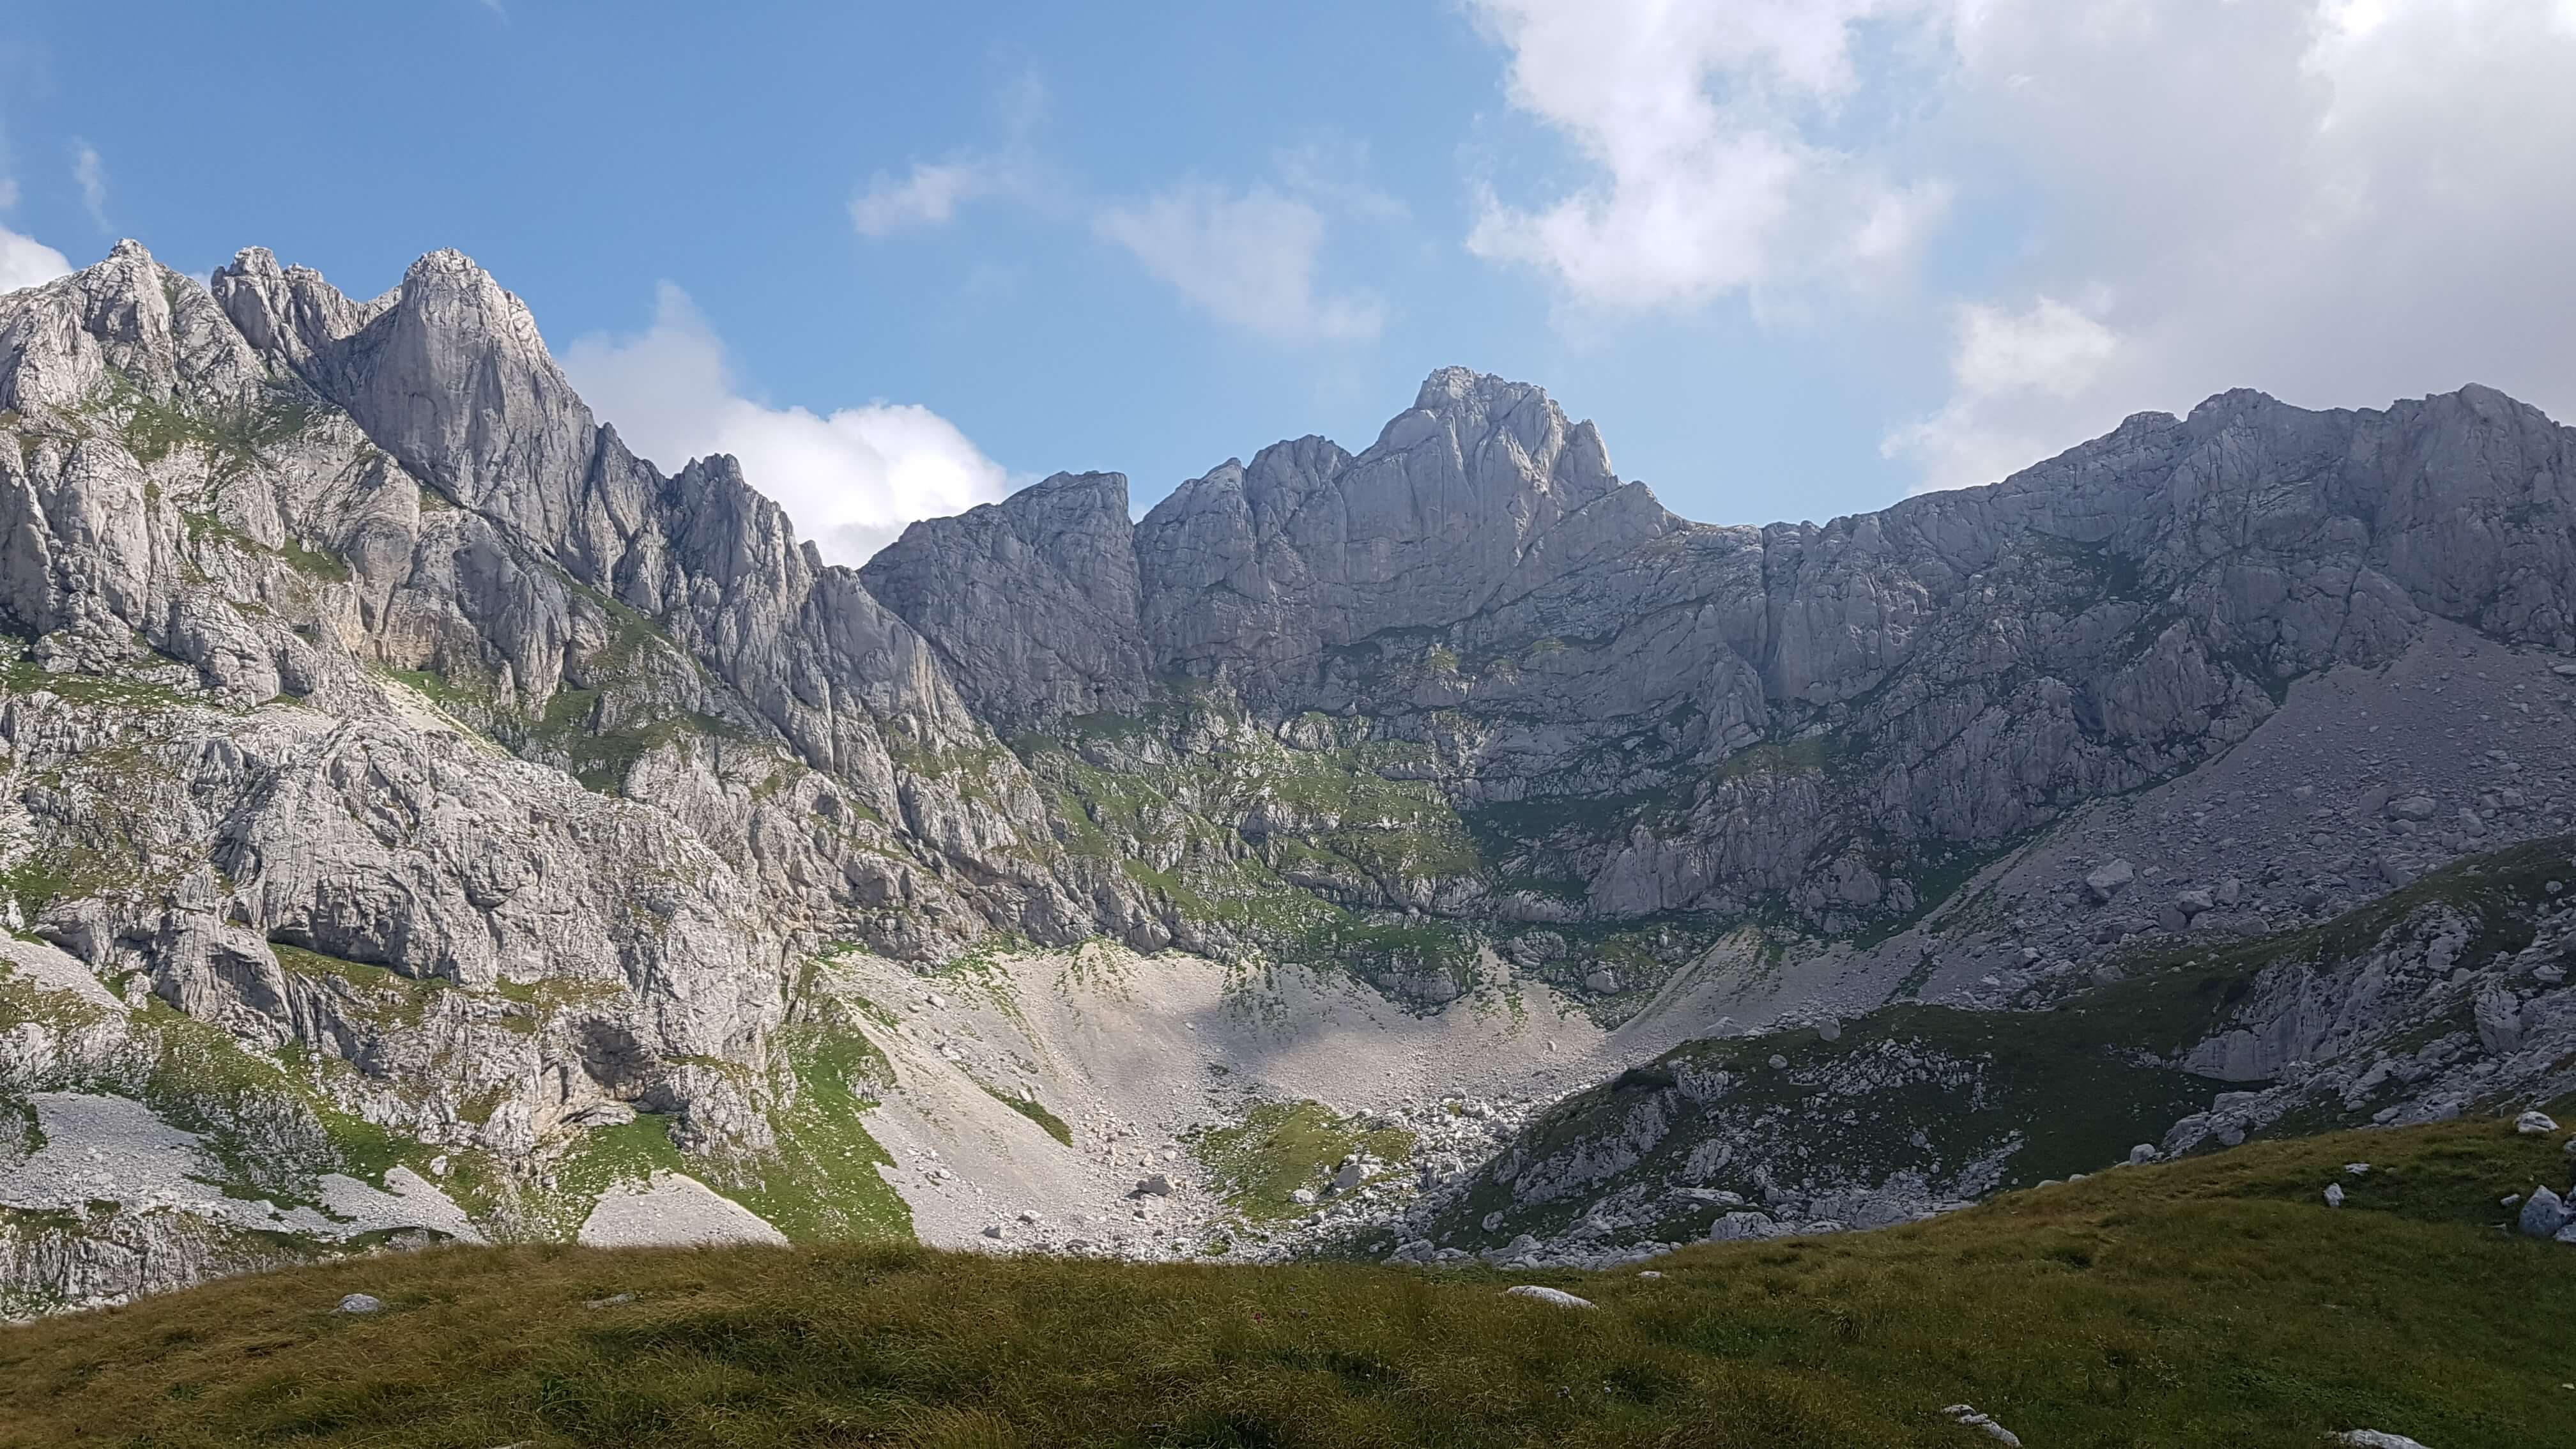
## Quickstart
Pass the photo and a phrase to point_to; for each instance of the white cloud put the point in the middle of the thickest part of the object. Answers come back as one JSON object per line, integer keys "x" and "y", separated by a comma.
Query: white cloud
{"x": 928, "y": 197}
{"x": 2340, "y": 202}
{"x": 2003, "y": 361}
{"x": 1248, "y": 258}
{"x": 90, "y": 174}
{"x": 850, "y": 480}
{"x": 26, "y": 262}
{"x": 1707, "y": 127}
{"x": 2052, "y": 349}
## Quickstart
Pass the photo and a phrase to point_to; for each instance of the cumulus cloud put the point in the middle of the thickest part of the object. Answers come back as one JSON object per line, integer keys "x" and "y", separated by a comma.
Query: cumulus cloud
{"x": 1247, "y": 257}
{"x": 27, "y": 262}
{"x": 1709, "y": 132}
{"x": 2339, "y": 202}
{"x": 89, "y": 173}
{"x": 2003, "y": 359}
{"x": 849, "y": 480}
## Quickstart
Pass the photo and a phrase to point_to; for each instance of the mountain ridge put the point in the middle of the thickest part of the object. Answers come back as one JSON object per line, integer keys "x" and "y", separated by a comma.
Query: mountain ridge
{"x": 379, "y": 710}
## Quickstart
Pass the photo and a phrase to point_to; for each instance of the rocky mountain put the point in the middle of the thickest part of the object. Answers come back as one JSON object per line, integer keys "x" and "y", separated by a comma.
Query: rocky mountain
{"x": 424, "y": 817}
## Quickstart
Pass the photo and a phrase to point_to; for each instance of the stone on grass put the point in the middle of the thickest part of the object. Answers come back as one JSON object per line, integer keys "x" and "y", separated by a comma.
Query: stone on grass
{"x": 361, "y": 1303}
{"x": 1967, "y": 1415}
{"x": 2142, "y": 1154}
{"x": 2374, "y": 1439}
{"x": 1555, "y": 1296}
{"x": 2534, "y": 1124}
{"x": 2543, "y": 1213}
{"x": 2334, "y": 1194}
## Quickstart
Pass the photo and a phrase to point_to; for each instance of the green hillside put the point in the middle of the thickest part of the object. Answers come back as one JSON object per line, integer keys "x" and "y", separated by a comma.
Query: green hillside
{"x": 2216, "y": 1301}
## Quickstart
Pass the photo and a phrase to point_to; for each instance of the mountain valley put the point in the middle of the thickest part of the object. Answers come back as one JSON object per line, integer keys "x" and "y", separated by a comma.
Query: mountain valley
{"x": 426, "y": 821}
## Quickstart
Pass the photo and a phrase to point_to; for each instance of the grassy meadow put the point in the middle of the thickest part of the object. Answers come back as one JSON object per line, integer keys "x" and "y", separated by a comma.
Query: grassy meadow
{"x": 2216, "y": 1301}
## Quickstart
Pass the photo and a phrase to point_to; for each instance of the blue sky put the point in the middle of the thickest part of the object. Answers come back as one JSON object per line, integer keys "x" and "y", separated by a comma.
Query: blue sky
{"x": 1797, "y": 259}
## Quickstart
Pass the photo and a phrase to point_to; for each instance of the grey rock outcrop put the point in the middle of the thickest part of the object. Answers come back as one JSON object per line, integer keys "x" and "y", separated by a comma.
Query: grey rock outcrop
{"x": 1031, "y": 602}
{"x": 1816, "y": 715}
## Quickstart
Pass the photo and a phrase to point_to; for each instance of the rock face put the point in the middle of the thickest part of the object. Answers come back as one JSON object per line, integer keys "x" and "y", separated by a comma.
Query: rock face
{"x": 1030, "y": 601}
{"x": 1814, "y": 715}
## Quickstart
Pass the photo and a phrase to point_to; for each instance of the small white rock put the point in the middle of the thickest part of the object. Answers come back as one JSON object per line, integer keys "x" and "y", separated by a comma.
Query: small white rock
{"x": 361, "y": 1303}
{"x": 2374, "y": 1439}
{"x": 1648, "y": 1273}
{"x": 1967, "y": 1415}
{"x": 1548, "y": 1295}
{"x": 2334, "y": 1194}
{"x": 2534, "y": 1124}
{"x": 2356, "y": 1169}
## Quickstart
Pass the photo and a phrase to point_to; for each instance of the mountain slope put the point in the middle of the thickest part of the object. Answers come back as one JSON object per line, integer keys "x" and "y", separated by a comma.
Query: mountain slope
{"x": 2219, "y": 1301}
{"x": 423, "y": 817}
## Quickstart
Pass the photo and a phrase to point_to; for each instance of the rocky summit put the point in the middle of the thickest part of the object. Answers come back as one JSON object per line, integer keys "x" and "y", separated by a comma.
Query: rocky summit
{"x": 425, "y": 820}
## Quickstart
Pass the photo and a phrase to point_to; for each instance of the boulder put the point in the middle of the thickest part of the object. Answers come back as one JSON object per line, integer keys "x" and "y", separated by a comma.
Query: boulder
{"x": 1157, "y": 1185}
{"x": 1553, "y": 1296}
{"x": 2534, "y": 1124}
{"x": 1744, "y": 1227}
{"x": 361, "y": 1303}
{"x": 2106, "y": 881}
{"x": 2543, "y": 1213}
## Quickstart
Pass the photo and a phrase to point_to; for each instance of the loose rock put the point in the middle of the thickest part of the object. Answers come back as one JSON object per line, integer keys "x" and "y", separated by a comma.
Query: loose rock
{"x": 1549, "y": 1295}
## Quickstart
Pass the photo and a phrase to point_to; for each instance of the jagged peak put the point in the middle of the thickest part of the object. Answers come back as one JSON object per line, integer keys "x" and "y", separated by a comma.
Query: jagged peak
{"x": 1111, "y": 486}
{"x": 1450, "y": 387}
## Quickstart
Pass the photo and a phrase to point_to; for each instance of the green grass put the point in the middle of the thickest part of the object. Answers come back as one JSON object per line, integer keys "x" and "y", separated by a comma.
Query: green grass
{"x": 151, "y": 427}
{"x": 380, "y": 992}
{"x": 1279, "y": 1147}
{"x": 2212, "y": 1302}
{"x": 1033, "y": 1109}
{"x": 822, "y": 1185}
